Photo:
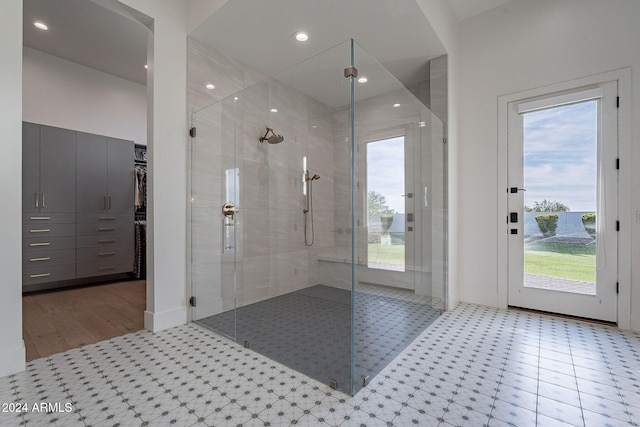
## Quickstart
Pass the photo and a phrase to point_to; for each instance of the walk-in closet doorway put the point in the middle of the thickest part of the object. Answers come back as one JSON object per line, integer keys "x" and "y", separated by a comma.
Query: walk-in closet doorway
{"x": 85, "y": 115}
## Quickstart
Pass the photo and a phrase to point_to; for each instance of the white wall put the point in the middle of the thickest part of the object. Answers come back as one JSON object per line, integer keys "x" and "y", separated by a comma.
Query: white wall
{"x": 167, "y": 163}
{"x": 520, "y": 46}
{"x": 12, "y": 354}
{"x": 61, "y": 93}
{"x": 445, "y": 24}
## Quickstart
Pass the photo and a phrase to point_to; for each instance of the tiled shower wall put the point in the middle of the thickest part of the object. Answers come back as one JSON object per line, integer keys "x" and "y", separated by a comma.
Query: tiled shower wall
{"x": 272, "y": 258}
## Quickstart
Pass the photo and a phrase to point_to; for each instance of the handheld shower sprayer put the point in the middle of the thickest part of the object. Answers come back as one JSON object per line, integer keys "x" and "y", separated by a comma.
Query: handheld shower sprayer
{"x": 273, "y": 139}
{"x": 308, "y": 182}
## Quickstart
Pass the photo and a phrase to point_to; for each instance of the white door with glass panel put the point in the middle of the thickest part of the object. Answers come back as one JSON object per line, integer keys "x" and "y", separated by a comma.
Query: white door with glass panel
{"x": 389, "y": 209}
{"x": 562, "y": 201}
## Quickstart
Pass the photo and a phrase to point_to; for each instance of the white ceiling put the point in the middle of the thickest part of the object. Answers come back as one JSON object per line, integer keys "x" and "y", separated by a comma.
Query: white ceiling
{"x": 256, "y": 32}
{"x": 83, "y": 32}
{"x": 395, "y": 32}
{"x": 465, "y": 9}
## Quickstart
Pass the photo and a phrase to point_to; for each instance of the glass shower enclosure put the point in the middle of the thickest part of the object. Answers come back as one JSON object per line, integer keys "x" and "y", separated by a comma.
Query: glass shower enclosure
{"x": 318, "y": 217}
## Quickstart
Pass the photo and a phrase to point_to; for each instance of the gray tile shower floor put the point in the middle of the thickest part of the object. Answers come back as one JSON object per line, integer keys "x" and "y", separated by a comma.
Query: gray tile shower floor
{"x": 473, "y": 366}
{"x": 309, "y": 330}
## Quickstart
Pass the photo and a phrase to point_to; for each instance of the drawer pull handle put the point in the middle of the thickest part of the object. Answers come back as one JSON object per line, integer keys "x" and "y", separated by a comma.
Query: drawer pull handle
{"x": 105, "y": 229}
{"x": 106, "y": 253}
{"x": 40, "y": 244}
{"x": 44, "y": 230}
{"x": 111, "y": 267}
{"x": 107, "y": 240}
{"x": 40, "y": 259}
{"x": 106, "y": 218}
{"x": 33, "y": 276}
{"x": 40, "y": 218}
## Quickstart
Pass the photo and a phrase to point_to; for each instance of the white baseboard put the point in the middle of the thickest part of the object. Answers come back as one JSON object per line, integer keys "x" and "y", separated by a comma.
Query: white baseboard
{"x": 156, "y": 322}
{"x": 12, "y": 361}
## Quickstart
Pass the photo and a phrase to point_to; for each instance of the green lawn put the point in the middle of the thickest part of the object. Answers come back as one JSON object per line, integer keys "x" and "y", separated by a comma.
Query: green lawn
{"x": 568, "y": 261}
{"x": 393, "y": 254}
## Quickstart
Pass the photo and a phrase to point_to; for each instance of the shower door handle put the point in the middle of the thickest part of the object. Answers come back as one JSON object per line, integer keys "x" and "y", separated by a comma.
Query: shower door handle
{"x": 229, "y": 210}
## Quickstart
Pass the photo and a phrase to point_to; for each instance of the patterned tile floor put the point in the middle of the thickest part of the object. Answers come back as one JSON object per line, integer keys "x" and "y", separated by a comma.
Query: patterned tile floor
{"x": 473, "y": 366}
{"x": 310, "y": 331}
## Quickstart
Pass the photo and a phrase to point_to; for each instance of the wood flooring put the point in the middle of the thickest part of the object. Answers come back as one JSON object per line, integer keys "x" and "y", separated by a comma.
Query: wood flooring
{"x": 59, "y": 320}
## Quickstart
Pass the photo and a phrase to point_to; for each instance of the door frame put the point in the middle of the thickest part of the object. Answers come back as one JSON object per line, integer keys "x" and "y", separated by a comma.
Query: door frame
{"x": 407, "y": 279}
{"x": 623, "y": 77}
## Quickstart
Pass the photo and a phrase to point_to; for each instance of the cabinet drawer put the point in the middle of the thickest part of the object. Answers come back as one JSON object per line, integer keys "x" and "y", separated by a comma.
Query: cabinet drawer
{"x": 103, "y": 218}
{"x": 105, "y": 240}
{"x": 104, "y": 229}
{"x": 48, "y": 230}
{"x": 41, "y": 259}
{"x": 52, "y": 273}
{"x": 91, "y": 269}
{"x": 46, "y": 243}
{"x": 48, "y": 218}
{"x": 105, "y": 254}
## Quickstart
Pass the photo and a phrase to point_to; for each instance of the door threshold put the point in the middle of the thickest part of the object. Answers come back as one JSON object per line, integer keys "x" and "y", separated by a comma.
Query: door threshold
{"x": 564, "y": 316}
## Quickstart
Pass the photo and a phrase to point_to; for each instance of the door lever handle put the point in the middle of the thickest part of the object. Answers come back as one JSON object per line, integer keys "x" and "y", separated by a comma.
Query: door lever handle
{"x": 516, "y": 189}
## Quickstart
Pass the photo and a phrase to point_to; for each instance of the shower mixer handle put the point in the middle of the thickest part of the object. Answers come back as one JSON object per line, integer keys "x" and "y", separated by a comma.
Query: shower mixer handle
{"x": 229, "y": 210}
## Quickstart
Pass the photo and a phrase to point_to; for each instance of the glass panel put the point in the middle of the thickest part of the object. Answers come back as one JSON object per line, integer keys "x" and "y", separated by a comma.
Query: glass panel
{"x": 560, "y": 175}
{"x": 385, "y": 204}
{"x": 399, "y": 147}
{"x": 214, "y": 181}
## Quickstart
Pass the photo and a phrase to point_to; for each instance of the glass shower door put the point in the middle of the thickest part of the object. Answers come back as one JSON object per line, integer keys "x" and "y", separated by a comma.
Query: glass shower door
{"x": 214, "y": 211}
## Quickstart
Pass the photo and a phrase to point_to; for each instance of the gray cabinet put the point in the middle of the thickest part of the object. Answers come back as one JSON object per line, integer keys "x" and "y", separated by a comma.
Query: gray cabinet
{"x": 78, "y": 205}
{"x": 48, "y": 169}
{"x": 104, "y": 175}
{"x": 48, "y": 204}
{"x": 105, "y": 181}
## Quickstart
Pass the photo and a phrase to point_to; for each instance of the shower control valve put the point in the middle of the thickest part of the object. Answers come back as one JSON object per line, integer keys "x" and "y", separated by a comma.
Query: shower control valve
{"x": 228, "y": 210}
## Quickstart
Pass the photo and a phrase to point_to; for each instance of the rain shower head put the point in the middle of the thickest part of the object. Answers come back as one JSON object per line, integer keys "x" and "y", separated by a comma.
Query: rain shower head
{"x": 273, "y": 139}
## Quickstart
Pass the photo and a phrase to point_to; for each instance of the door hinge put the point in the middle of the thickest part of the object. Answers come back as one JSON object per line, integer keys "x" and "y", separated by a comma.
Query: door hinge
{"x": 192, "y": 132}
{"x": 617, "y": 102}
{"x": 617, "y": 225}
{"x": 617, "y": 287}
{"x": 192, "y": 301}
{"x": 618, "y": 164}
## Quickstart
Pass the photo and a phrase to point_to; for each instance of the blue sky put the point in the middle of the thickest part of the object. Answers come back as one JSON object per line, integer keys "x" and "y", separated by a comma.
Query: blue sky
{"x": 560, "y": 155}
{"x": 385, "y": 170}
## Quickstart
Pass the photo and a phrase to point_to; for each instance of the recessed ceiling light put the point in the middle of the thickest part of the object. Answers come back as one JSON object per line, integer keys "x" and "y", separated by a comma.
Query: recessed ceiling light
{"x": 396, "y": 105}
{"x": 301, "y": 36}
{"x": 41, "y": 25}
{"x": 274, "y": 110}
{"x": 363, "y": 79}
{"x": 210, "y": 86}
{"x": 146, "y": 67}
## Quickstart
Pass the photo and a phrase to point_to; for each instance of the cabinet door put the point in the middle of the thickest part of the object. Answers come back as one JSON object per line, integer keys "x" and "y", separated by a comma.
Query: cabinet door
{"x": 30, "y": 167}
{"x": 121, "y": 181}
{"x": 57, "y": 170}
{"x": 92, "y": 173}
